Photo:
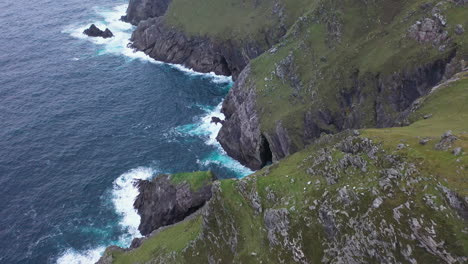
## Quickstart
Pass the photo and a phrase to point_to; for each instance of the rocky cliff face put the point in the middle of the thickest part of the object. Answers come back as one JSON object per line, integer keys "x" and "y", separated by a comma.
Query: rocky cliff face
{"x": 203, "y": 54}
{"x": 139, "y": 10}
{"x": 303, "y": 89}
{"x": 161, "y": 202}
{"x": 240, "y": 136}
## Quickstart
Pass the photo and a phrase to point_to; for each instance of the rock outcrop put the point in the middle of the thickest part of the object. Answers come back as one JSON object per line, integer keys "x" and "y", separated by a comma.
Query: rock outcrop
{"x": 200, "y": 53}
{"x": 391, "y": 96}
{"x": 139, "y": 10}
{"x": 162, "y": 202}
{"x": 240, "y": 136}
{"x": 94, "y": 31}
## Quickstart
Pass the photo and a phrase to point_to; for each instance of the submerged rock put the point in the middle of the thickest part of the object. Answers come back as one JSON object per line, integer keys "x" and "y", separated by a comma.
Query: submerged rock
{"x": 163, "y": 201}
{"x": 94, "y": 31}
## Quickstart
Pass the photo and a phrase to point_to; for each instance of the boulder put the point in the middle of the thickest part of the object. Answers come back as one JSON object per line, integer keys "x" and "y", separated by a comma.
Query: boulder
{"x": 94, "y": 31}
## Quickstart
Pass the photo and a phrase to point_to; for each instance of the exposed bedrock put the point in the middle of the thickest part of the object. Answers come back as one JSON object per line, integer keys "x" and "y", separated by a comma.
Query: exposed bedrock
{"x": 139, "y": 10}
{"x": 243, "y": 138}
{"x": 200, "y": 53}
{"x": 94, "y": 31}
{"x": 161, "y": 202}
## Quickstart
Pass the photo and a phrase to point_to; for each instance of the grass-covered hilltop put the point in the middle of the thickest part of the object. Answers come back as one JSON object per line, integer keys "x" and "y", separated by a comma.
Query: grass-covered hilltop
{"x": 354, "y": 114}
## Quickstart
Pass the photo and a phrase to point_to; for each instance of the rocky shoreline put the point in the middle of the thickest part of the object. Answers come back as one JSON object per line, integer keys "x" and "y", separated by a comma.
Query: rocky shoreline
{"x": 363, "y": 99}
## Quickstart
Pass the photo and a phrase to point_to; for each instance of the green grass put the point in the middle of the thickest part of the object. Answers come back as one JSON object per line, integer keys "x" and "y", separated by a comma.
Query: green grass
{"x": 196, "y": 180}
{"x": 230, "y": 19}
{"x": 449, "y": 108}
{"x": 173, "y": 239}
{"x": 373, "y": 45}
{"x": 373, "y": 42}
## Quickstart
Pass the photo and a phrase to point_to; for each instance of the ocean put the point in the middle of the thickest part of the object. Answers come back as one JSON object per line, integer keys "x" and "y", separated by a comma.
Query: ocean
{"x": 82, "y": 118}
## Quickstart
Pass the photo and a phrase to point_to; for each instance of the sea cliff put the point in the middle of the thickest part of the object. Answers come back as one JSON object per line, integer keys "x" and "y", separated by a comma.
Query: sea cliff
{"x": 353, "y": 113}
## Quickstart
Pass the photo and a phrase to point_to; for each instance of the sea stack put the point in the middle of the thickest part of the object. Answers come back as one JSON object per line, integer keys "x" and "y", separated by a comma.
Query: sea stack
{"x": 94, "y": 31}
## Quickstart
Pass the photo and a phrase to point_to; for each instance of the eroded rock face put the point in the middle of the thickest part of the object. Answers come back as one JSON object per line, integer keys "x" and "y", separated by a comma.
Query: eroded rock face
{"x": 240, "y": 135}
{"x": 94, "y": 31}
{"x": 428, "y": 31}
{"x": 200, "y": 53}
{"x": 392, "y": 96}
{"x": 161, "y": 202}
{"x": 139, "y": 10}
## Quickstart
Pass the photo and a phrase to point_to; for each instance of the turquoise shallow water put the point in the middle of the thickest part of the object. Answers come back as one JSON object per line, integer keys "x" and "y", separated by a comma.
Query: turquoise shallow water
{"x": 81, "y": 119}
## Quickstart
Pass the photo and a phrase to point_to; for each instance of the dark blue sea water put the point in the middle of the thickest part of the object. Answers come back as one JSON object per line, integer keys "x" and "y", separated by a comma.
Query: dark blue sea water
{"x": 80, "y": 119}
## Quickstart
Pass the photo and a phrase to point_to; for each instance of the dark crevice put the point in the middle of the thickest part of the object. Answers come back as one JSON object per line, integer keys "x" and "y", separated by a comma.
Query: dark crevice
{"x": 265, "y": 152}
{"x": 225, "y": 67}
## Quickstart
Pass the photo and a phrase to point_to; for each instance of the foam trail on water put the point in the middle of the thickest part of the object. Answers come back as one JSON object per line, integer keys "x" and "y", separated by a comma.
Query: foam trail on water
{"x": 119, "y": 44}
{"x": 124, "y": 193}
{"x": 72, "y": 256}
{"x": 209, "y": 131}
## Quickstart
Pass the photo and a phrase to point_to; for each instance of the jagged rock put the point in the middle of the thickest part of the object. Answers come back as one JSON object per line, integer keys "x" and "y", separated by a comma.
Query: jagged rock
{"x": 240, "y": 135}
{"x": 401, "y": 90}
{"x": 139, "y": 10}
{"x": 427, "y": 116}
{"x": 353, "y": 160}
{"x": 457, "y": 151}
{"x": 286, "y": 71}
{"x": 347, "y": 196}
{"x": 429, "y": 31}
{"x": 459, "y": 30}
{"x": 200, "y": 53}
{"x": 456, "y": 202}
{"x": 401, "y": 146}
{"x": 277, "y": 224}
{"x": 161, "y": 202}
{"x": 446, "y": 141}
{"x": 424, "y": 141}
{"x": 377, "y": 202}
{"x": 216, "y": 120}
{"x": 94, "y": 31}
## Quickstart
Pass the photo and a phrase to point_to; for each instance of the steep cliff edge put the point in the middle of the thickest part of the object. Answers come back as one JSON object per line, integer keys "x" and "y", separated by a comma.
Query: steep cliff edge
{"x": 139, "y": 10}
{"x": 168, "y": 199}
{"x": 221, "y": 36}
{"x": 343, "y": 64}
{"x": 384, "y": 195}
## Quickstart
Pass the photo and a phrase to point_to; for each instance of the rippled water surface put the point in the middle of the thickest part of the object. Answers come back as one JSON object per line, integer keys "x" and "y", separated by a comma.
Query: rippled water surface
{"x": 82, "y": 118}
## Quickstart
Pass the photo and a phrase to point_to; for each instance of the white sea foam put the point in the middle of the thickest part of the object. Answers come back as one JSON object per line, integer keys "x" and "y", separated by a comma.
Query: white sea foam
{"x": 119, "y": 44}
{"x": 90, "y": 256}
{"x": 207, "y": 130}
{"x": 124, "y": 193}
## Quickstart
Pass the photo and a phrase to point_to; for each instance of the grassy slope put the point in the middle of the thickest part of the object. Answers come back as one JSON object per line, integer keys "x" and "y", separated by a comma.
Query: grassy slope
{"x": 230, "y": 19}
{"x": 231, "y": 214}
{"x": 449, "y": 106}
{"x": 196, "y": 180}
{"x": 169, "y": 241}
{"x": 373, "y": 42}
